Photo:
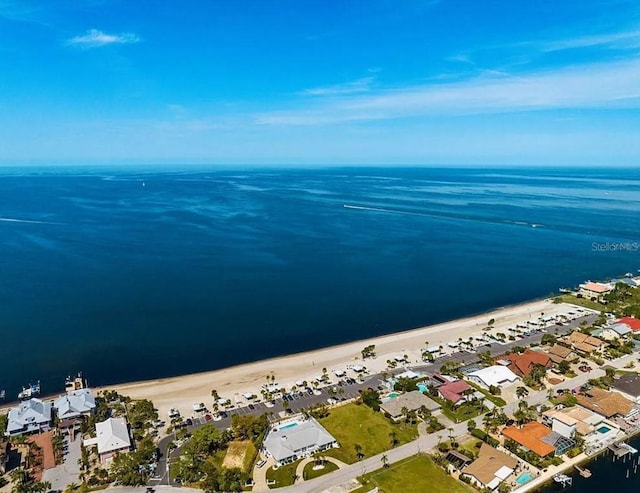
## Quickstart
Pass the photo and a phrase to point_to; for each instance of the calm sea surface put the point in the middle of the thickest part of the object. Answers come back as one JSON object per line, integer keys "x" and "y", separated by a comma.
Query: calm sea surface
{"x": 132, "y": 275}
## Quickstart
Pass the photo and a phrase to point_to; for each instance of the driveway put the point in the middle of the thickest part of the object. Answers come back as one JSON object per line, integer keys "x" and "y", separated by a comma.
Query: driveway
{"x": 69, "y": 471}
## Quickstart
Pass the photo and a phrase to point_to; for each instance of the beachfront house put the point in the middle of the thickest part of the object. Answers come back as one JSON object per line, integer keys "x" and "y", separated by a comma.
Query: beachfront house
{"x": 493, "y": 376}
{"x": 75, "y": 404}
{"x": 539, "y": 439}
{"x": 296, "y": 438}
{"x": 32, "y": 416}
{"x": 112, "y": 438}
{"x": 411, "y": 401}
{"x": 491, "y": 468}
{"x": 594, "y": 290}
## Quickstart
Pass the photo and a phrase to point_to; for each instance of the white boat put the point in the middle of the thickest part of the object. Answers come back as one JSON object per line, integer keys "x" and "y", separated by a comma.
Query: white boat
{"x": 2, "y": 395}
{"x": 32, "y": 390}
{"x": 74, "y": 383}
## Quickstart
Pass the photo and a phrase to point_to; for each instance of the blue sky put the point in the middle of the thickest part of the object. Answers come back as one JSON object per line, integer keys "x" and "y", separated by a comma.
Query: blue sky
{"x": 492, "y": 82}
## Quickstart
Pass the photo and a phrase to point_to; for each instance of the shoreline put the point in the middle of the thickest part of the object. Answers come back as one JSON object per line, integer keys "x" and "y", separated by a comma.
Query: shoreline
{"x": 579, "y": 460}
{"x": 182, "y": 391}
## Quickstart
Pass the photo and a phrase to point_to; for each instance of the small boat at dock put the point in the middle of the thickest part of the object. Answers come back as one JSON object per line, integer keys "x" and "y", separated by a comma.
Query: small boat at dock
{"x": 75, "y": 383}
{"x": 31, "y": 390}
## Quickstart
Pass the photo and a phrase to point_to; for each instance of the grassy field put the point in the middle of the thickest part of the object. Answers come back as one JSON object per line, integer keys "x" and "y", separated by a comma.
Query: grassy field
{"x": 358, "y": 424}
{"x": 240, "y": 454}
{"x": 585, "y": 302}
{"x": 310, "y": 473}
{"x": 417, "y": 474}
{"x": 283, "y": 476}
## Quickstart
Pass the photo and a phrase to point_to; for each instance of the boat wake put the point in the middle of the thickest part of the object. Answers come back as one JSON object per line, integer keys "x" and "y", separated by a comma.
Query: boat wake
{"x": 27, "y": 221}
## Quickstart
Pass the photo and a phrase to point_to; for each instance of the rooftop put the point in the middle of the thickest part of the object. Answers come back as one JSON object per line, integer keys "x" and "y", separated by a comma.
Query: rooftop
{"x": 495, "y": 375}
{"x": 111, "y": 435}
{"x": 633, "y": 323}
{"x": 595, "y": 287}
{"x": 286, "y": 442}
{"x": 629, "y": 384}
{"x": 413, "y": 401}
{"x": 530, "y": 436}
{"x": 452, "y": 391}
{"x": 605, "y": 403}
{"x": 489, "y": 464}
{"x": 522, "y": 364}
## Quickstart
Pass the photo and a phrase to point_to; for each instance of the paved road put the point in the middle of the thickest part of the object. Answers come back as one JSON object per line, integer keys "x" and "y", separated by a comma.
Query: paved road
{"x": 161, "y": 476}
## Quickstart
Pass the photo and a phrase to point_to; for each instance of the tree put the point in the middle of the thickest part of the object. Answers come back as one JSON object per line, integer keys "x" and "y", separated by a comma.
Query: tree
{"x": 24, "y": 482}
{"x": 485, "y": 358}
{"x": 358, "y": 448}
{"x": 549, "y": 339}
{"x": 393, "y": 438}
{"x": 471, "y": 425}
{"x": 385, "y": 461}
{"x": 564, "y": 367}
{"x": 522, "y": 392}
{"x": 371, "y": 397}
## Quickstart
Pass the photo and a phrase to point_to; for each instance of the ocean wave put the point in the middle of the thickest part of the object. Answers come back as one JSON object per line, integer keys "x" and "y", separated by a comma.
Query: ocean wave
{"x": 27, "y": 221}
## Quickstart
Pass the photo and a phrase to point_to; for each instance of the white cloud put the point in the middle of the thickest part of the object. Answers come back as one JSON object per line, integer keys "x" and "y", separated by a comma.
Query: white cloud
{"x": 356, "y": 86}
{"x": 604, "y": 85}
{"x": 620, "y": 40}
{"x": 95, "y": 38}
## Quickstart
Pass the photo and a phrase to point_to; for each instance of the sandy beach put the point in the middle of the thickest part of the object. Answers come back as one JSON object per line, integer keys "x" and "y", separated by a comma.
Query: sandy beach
{"x": 181, "y": 392}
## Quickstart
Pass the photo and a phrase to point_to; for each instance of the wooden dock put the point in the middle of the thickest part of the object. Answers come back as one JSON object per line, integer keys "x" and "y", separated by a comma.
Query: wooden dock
{"x": 622, "y": 449}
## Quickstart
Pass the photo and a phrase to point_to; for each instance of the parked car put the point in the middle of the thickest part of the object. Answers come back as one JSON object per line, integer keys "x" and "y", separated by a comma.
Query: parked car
{"x": 261, "y": 463}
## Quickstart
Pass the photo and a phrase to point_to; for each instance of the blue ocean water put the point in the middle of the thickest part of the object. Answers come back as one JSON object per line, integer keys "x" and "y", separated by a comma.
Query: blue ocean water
{"x": 133, "y": 274}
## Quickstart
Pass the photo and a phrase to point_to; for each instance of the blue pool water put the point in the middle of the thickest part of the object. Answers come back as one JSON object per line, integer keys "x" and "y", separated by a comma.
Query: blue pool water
{"x": 603, "y": 429}
{"x": 524, "y": 478}
{"x": 287, "y": 426}
{"x": 392, "y": 395}
{"x": 422, "y": 387}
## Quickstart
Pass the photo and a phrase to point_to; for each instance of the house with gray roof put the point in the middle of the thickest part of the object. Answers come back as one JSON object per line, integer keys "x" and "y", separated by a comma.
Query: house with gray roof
{"x": 32, "y": 416}
{"x": 615, "y": 331}
{"x": 628, "y": 385}
{"x": 75, "y": 404}
{"x": 293, "y": 439}
{"x": 412, "y": 401}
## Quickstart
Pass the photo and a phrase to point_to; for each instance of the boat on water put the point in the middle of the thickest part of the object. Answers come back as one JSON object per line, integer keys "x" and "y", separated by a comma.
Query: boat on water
{"x": 32, "y": 390}
{"x": 2, "y": 395}
{"x": 75, "y": 383}
{"x": 564, "y": 290}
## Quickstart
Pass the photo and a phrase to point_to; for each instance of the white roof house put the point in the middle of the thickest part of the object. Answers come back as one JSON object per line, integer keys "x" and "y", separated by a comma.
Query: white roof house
{"x": 288, "y": 441}
{"x": 496, "y": 375}
{"x": 30, "y": 416}
{"x": 75, "y": 403}
{"x": 111, "y": 435}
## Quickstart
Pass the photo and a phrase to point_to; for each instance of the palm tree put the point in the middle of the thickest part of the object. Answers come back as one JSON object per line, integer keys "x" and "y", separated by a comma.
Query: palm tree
{"x": 393, "y": 436}
{"x": 522, "y": 392}
{"x": 358, "y": 449}
{"x": 385, "y": 461}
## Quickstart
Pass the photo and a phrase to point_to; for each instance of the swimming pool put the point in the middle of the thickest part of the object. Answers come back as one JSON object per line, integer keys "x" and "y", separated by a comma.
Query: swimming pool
{"x": 422, "y": 387}
{"x": 603, "y": 429}
{"x": 287, "y": 426}
{"x": 524, "y": 478}
{"x": 392, "y": 395}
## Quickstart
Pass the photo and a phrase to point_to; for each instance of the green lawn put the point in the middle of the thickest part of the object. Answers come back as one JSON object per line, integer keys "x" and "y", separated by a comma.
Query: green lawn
{"x": 585, "y": 302}
{"x": 310, "y": 473}
{"x": 497, "y": 400}
{"x": 417, "y": 474}
{"x": 463, "y": 412}
{"x": 358, "y": 424}
{"x": 283, "y": 476}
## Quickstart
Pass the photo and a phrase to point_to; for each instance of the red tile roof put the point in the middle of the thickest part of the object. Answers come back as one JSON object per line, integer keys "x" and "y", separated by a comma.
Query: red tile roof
{"x": 633, "y": 323}
{"x": 530, "y": 436}
{"x": 595, "y": 287}
{"x": 452, "y": 391}
{"x": 522, "y": 364}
